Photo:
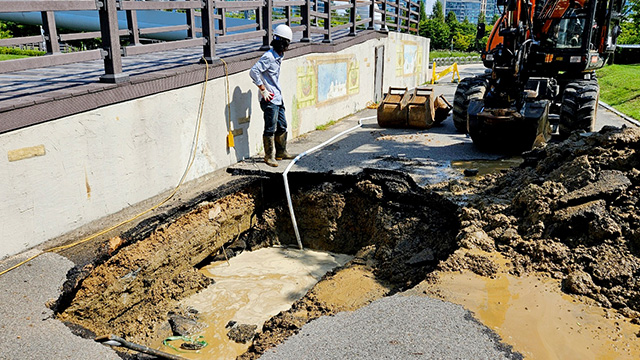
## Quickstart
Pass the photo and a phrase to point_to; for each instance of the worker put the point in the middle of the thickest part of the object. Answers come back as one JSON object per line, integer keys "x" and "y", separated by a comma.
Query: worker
{"x": 265, "y": 74}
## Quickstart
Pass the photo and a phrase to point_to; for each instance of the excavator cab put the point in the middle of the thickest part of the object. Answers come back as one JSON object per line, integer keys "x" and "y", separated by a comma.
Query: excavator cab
{"x": 541, "y": 57}
{"x": 575, "y": 35}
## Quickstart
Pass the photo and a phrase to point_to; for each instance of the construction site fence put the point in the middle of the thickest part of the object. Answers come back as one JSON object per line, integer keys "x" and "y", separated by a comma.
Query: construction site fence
{"x": 310, "y": 21}
{"x": 460, "y": 60}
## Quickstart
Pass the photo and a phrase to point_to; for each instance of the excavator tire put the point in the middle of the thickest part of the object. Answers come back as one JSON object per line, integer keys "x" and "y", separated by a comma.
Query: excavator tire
{"x": 476, "y": 91}
{"x": 579, "y": 107}
{"x": 460, "y": 104}
{"x": 468, "y": 88}
{"x": 478, "y": 88}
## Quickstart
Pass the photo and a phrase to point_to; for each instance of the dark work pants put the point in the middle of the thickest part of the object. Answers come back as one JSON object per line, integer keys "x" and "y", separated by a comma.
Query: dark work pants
{"x": 274, "y": 120}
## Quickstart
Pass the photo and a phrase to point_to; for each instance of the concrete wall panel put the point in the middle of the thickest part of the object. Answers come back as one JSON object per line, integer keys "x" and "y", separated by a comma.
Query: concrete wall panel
{"x": 60, "y": 175}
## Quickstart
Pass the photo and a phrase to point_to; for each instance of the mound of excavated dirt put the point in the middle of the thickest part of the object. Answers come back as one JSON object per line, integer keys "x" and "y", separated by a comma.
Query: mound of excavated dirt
{"x": 571, "y": 210}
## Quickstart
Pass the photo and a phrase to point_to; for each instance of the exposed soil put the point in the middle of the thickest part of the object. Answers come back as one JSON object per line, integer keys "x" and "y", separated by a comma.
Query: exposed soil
{"x": 569, "y": 212}
{"x": 404, "y": 229}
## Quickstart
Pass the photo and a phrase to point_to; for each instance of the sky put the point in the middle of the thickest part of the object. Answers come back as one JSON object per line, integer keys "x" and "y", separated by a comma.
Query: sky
{"x": 428, "y": 6}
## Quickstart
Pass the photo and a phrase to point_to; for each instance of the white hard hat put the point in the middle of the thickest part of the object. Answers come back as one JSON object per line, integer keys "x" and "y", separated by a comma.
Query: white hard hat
{"x": 283, "y": 31}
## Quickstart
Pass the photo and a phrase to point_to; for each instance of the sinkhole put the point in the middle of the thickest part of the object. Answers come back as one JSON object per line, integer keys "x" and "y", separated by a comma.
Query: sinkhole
{"x": 365, "y": 236}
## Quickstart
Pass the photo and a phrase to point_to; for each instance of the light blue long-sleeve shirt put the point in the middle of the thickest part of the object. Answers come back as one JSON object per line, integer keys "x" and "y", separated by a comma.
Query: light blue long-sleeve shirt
{"x": 267, "y": 72}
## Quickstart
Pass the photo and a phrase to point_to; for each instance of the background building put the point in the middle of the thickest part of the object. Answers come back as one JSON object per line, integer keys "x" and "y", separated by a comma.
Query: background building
{"x": 471, "y": 9}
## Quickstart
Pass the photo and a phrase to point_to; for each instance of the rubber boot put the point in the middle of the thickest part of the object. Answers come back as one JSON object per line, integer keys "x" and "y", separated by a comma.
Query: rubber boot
{"x": 281, "y": 147}
{"x": 269, "y": 157}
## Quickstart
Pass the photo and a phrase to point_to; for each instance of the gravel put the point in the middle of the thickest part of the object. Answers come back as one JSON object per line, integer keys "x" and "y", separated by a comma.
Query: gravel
{"x": 396, "y": 327}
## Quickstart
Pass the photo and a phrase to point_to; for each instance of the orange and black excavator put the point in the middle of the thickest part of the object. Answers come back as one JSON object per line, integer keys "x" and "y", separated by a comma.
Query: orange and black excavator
{"x": 541, "y": 59}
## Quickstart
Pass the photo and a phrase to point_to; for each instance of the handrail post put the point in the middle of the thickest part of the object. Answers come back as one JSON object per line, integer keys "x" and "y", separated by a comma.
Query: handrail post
{"x": 352, "y": 18}
{"x": 111, "y": 43}
{"x": 418, "y": 21}
{"x": 327, "y": 22}
{"x": 222, "y": 22}
{"x": 372, "y": 15}
{"x": 287, "y": 11}
{"x": 191, "y": 22}
{"x": 132, "y": 24}
{"x": 50, "y": 32}
{"x": 384, "y": 17}
{"x": 267, "y": 24}
{"x": 208, "y": 31}
{"x": 398, "y": 22}
{"x": 306, "y": 21}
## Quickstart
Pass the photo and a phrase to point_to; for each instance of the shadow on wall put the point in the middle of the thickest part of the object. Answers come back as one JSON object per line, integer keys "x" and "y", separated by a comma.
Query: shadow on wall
{"x": 240, "y": 110}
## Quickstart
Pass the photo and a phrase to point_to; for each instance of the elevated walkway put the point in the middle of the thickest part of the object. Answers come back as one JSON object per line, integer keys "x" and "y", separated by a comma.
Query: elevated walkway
{"x": 33, "y": 96}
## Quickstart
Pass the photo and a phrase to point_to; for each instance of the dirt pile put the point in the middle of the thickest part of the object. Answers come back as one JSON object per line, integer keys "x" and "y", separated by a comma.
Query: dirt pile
{"x": 571, "y": 210}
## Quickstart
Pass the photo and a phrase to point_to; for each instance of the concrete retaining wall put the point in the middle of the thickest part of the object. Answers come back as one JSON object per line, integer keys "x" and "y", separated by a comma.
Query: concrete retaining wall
{"x": 60, "y": 175}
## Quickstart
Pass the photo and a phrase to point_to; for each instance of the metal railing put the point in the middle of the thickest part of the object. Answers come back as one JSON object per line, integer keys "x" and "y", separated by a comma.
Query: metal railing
{"x": 206, "y": 23}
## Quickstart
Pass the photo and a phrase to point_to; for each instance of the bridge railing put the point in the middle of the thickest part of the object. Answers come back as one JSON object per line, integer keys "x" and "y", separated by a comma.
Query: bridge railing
{"x": 206, "y": 23}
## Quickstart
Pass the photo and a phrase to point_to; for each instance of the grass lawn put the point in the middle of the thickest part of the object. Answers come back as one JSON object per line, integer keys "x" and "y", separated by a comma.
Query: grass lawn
{"x": 11, "y": 57}
{"x": 620, "y": 88}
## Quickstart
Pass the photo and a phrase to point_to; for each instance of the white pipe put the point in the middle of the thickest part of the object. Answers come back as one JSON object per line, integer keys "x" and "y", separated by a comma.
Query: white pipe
{"x": 286, "y": 181}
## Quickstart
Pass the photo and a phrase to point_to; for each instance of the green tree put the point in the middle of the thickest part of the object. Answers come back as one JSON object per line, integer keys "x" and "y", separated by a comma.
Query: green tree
{"x": 423, "y": 13}
{"x": 435, "y": 28}
{"x": 463, "y": 42}
{"x": 437, "y": 12}
{"x": 4, "y": 31}
{"x": 631, "y": 23}
{"x": 481, "y": 17}
{"x": 454, "y": 27}
{"x": 451, "y": 18}
{"x": 438, "y": 32}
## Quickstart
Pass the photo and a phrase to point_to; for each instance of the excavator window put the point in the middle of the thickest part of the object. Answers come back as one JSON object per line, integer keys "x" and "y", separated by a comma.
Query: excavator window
{"x": 565, "y": 24}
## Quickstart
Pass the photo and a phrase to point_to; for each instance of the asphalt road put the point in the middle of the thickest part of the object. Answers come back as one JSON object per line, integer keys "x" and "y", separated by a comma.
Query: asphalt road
{"x": 396, "y": 327}
{"x": 27, "y": 327}
{"x": 426, "y": 155}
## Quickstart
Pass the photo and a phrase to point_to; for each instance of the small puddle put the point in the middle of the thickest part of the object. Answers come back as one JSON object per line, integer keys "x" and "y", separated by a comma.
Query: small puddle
{"x": 537, "y": 319}
{"x": 485, "y": 167}
{"x": 250, "y": 289}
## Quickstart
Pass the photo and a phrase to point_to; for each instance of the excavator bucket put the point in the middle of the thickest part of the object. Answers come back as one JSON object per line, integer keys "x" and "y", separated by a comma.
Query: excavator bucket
{"x": 509, "y": 129}
{"x": 443, "y": 108}
{"x": 392, "y": 112}
{"x": 421, "y": 109}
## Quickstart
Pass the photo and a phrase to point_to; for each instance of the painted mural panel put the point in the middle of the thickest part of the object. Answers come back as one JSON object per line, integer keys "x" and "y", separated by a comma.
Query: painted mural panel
{"x": 332, "y": 80}
{"x": 408, "y": 59}
{"x": 306, "y": 86}
{"x": 419, "y": 60}
{"x": 354, "y": 77}
{"x": 325, "y": 79}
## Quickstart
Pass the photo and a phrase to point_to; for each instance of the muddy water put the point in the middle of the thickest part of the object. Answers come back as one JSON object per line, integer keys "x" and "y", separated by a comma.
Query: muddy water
{"x": 250, "y": 289}
{"x": 486, "y": 166}
{"x": 537, "y": 319}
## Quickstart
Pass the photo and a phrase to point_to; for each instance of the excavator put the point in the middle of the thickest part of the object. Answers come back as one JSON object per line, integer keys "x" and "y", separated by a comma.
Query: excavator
{"x": 541, "y": 58}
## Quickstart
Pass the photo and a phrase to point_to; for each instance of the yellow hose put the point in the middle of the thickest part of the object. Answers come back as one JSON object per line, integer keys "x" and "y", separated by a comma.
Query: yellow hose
{"x": 192, "y": 157}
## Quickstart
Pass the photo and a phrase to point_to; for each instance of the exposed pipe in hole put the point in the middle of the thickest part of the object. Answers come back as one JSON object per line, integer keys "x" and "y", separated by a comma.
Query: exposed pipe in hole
{"x": 307, "y": 152}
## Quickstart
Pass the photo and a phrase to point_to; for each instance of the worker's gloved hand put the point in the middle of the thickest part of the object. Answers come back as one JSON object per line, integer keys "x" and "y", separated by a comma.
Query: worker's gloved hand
{"x": 267, "y": 95}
